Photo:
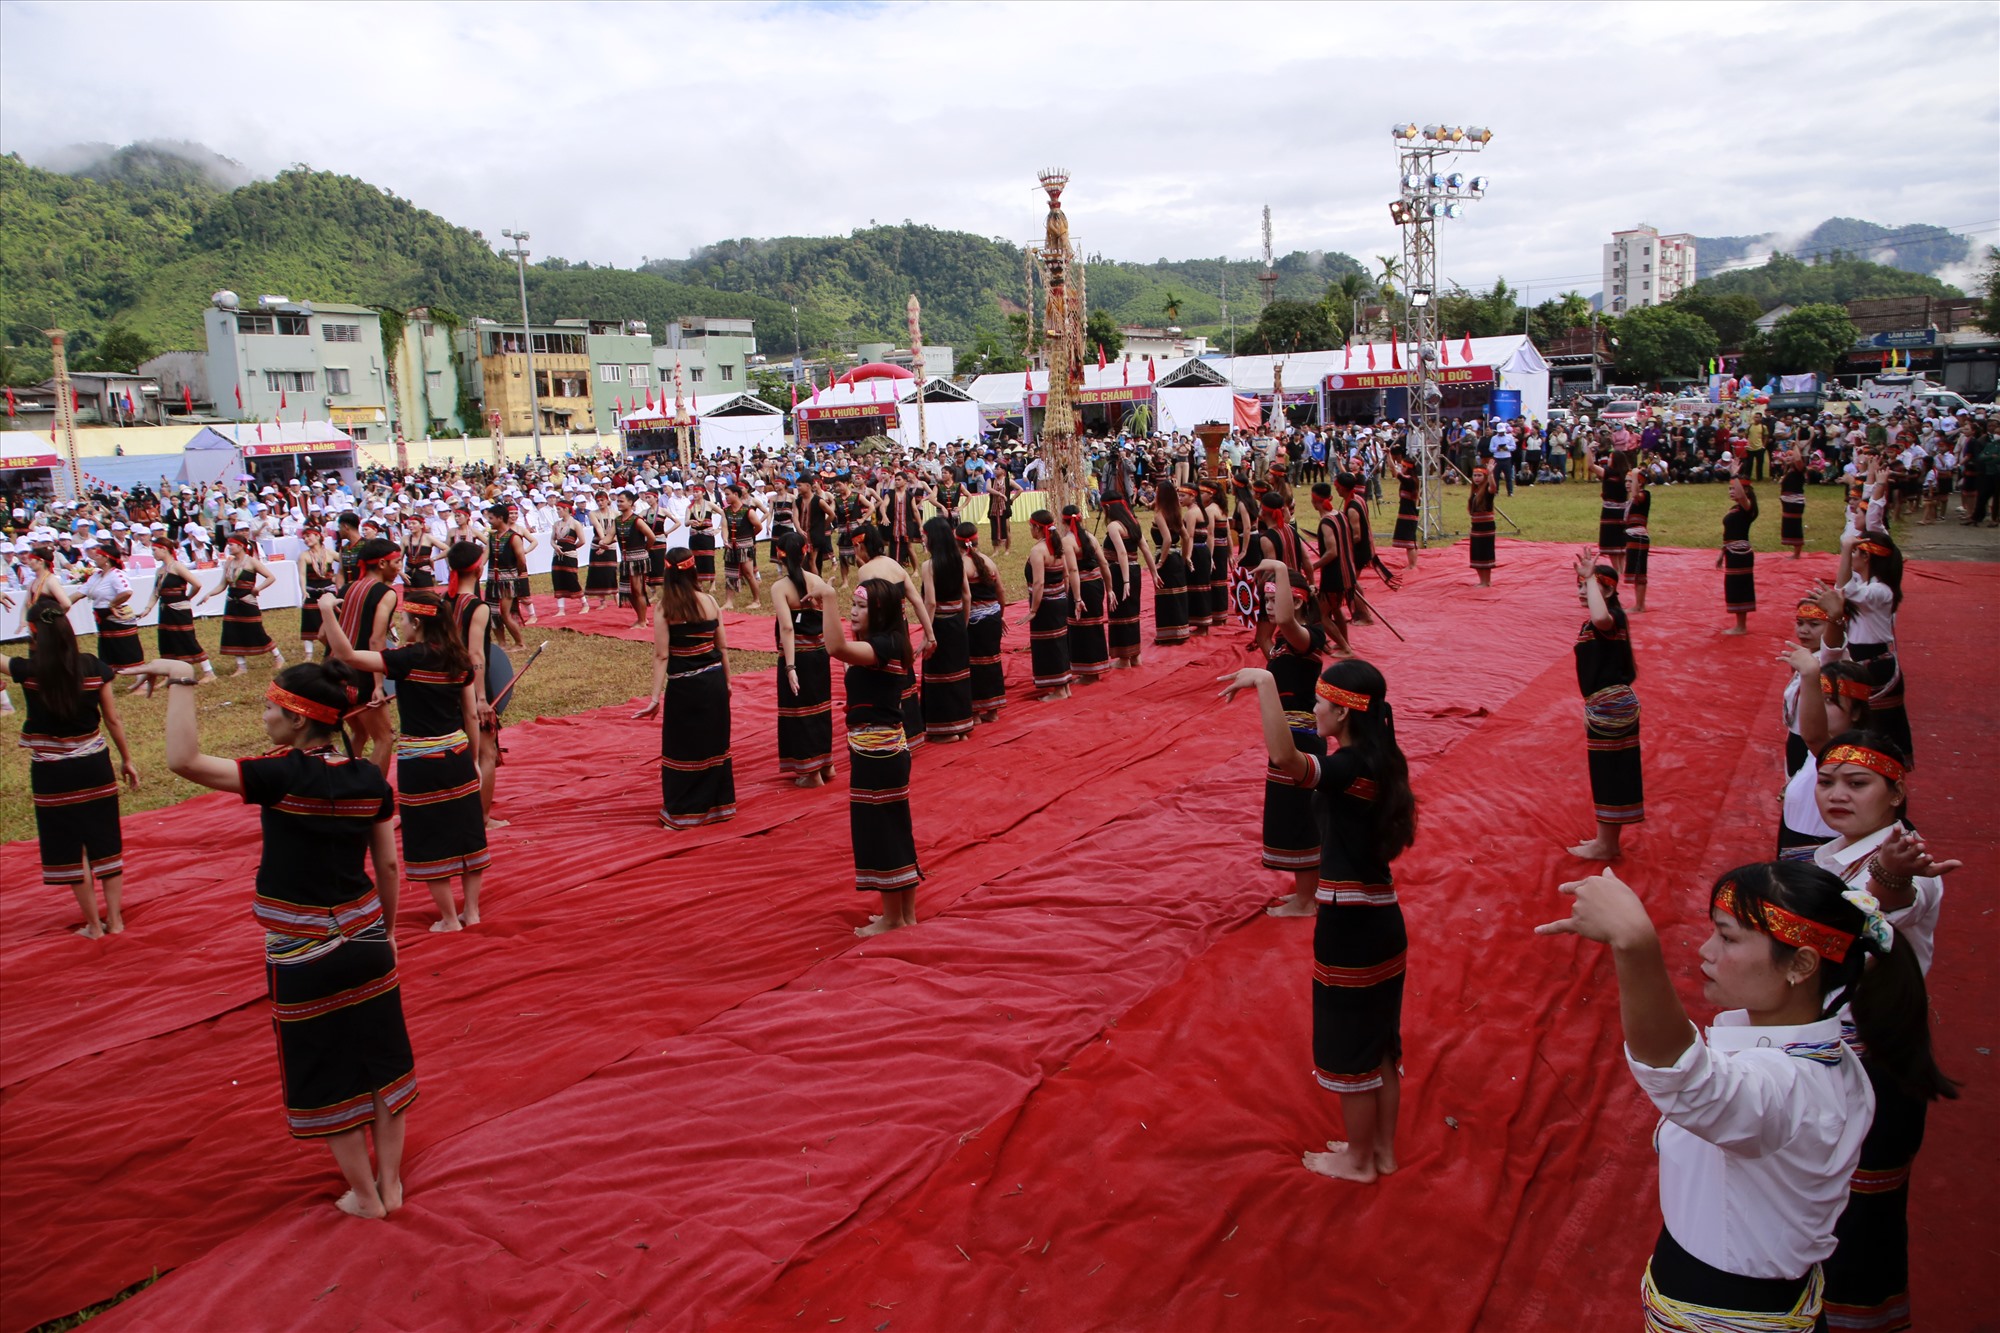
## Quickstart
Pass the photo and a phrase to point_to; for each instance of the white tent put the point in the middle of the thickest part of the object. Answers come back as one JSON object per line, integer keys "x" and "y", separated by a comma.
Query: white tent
{"x": 738, "y": 423}
{"x": 1192, "y": 394}
{"x": 950, "y": 414}
{"x": 842, "y": 413}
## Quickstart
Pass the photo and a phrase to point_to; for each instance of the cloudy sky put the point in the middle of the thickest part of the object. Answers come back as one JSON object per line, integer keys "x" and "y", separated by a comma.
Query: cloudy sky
{"x": 615, "y": 131}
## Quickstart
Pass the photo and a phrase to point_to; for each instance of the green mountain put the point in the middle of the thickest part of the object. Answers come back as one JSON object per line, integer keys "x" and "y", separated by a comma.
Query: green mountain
{"x": 138, "y": 237}
{"x": 1918, "y": 248}
{"x": 1783, "y": 280}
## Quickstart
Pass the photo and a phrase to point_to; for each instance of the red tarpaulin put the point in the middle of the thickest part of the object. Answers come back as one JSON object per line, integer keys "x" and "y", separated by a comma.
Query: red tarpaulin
{"x": 1247, "y": 415}
{"x": 664, "y": 1087}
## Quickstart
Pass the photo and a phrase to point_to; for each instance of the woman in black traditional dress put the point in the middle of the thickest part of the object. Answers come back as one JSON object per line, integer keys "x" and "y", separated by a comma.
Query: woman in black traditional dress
{"x": 420, "y": 553}
{"x": 1479, "y": 508}
{"x": 881, "y": 563}
{"x": 1125, "y": 546}
{"x": 691, "y": 653}
{"x": 1736, "y": 560}
{"x": 1220, "y": 550}
{"x": 1201, "y": 563}
{"x": 244, "y": 578}
{"x": 1170, "y": 571}
{"x": 602, "y": 578}
{"x": 985, "y": 627}
{"x": 69, "y": 707}
{"x": 1612, "y": 495}
{"x": 1605, "y": 673}
{"x": 1291, "y": 834}
{"x": 878, "y": 661}
{"x": 1638, "y": 539}
{"x": 947, "y": 683}
{"x": 1407, "y": 482}
{"x": 634, "y": 536}
{"x": 1052, "y": 592}
{"x": 437, "y": 776}
{"x": 173, "y": 590}
{"x": 330, "y": 957}
{"x": 1792, "y": 502}
{"x": 569, "y": 537}
{"x": 1367, "y": 817}
{"x": 319, "y": 566}
{"x": 506, "y": 572}
{"x": 1089, "y": 650}
{"x": 805, "y": 675}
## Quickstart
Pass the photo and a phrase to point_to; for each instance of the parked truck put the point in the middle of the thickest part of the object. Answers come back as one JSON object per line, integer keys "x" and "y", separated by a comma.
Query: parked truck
{"x": 1886, "y": 393}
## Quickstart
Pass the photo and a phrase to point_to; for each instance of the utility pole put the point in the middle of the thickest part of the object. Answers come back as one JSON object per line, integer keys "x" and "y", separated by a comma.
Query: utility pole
{"x": 519, "y": 254}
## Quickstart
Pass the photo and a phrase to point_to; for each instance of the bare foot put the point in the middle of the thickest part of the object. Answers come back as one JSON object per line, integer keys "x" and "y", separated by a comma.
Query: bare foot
{"x": 491, "y": 822}
{"x": 391, "y": 1194}
{"x": 89, "y": 932}
{"x": 1594, "y": 851}
{"x": 879, "y": 925}
{"x": 1385, "y": 1158}
{"x": 1340, "y": 1164}
{"x": 114, "y": 925}
{"x": 445, "y": 927}
{"x": 469, "y": 919}
{"x": 1293, "y": 906}
{"x": 1734, "y": 631}
{"x": 351, "y": 1204}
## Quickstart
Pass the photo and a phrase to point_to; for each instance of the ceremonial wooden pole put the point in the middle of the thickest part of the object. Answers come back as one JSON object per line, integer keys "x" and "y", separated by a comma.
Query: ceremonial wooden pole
{"x": 66, "y": 413}
{"x": 917, "y": 355}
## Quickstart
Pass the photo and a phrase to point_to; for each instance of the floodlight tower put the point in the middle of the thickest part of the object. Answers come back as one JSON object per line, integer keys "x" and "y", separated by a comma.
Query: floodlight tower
{"x": 1268, "y": 279}
{"x": 1427, "y": 197}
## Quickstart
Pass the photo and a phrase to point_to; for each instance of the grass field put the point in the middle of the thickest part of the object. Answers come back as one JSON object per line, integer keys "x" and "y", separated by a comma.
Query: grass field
{"x": 584, "y": 671}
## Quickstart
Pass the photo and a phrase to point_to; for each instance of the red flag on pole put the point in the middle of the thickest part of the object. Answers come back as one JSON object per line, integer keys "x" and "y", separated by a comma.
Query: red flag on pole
{"x": 1465, "y": 352}
{"x": 10, "y": 402}
{"x": 75, "y": 401}
{"x": 282, "y": 404}
{"x": 795, "y": 395}
{"x": 1028, "y": 379}
{"x": 1371, "y": 356}
{"x": 1395, "y": 350}
{"x": 187, "y": 399}
{"x": 1149, "y": 370}
{"x": 1347, "y": 355}
{"x": 1125, "y": 370}
{"x": 618, "y": 406}
{"x": 239, "y": 398}
{"x": 1444, "y": 352}
{"x": 130, "y": 409}
{"x": 1100, "y": 356}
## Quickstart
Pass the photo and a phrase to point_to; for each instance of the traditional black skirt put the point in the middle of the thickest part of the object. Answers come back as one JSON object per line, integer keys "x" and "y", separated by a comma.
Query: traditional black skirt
{"x": 603, "y": 574}
{"x": 341, "y": 1038}
{"x": 1359, "y": 952}
{"x": 1048, "y": 642}
{"x": 1611, "y": 529}
{"x": 805, "y": 719}
{"x": 1868, "y": 1274}
{"x": 243, "y": 627}
{"x": 697, "y": 779}
{"x": 418, "y": 573}
{"x": 878, "y": 811}
{"x": 76, "y": 815}
{"x": 702, "y": 546}
{"x": 118, "y": 645}
{"x": 178, "y": 641}
{"x": 1089, "y": 650}
{"x": 1124, "y": 632}
{"x": 437, "y": 793}
{"x": 1676, "y": 1279}
{"x": 656, "y": 562}
{"x": 946, "y": 692}
{"x": 1291, "y": 830}
{"x": 1170, "y": 607}
{"x": 982, "y": 647}
{"x": 1739, "y": 577}
{"x": 1638, "y": 548}
{"x": 1611, "y": 735}
{"x": 1886, "y": 712}
{"x": 563, "y": 575}
{"x": 1201, "y": 578}
{"x": 309, "y": 618}
{"x": 1792, "y": 520}
{"x": 1481, "y": 542}
{"x": 1405, "y": 535}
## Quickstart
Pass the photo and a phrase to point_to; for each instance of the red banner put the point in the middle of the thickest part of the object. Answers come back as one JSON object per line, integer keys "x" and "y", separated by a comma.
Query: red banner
{"x": 8, "y": 461}
{"x": 1107, "y": 393}
{"x": 303, "y": 447}
{"x": 849, "y": 410}
{"x": 1344, "y": 381}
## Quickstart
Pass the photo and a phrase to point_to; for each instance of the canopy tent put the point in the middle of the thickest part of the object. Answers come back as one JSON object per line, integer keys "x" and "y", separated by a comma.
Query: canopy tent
{"x": 276, "y": 450}
{"x": 844, "y": 413}
{"x": 950, "y": 414}
{"x": 209, "y": 457}
{"x": 739, "y": 424}
{"x": 32, "y": 468}
{"x": 1192, "y": 394}
{"x": 647, "y": 432}
{"x": 1504, "y": 373}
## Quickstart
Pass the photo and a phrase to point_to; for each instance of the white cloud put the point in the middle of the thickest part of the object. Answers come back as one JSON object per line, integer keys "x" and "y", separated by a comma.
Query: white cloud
{"x": 612, "y": 132}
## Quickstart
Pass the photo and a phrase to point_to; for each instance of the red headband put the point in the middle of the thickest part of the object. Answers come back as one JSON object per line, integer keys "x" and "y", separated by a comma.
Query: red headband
{"x": 1348, "y": 699}
{"x": 420, "y": 608}
{"x": 1872, "y": 548}
{"x": 1829, "y": 942}
{"x": 1846, "y": 689}
{"x": 324, "y": 714}
{"x": 1810, "y": 610}
{"x": 685, "y": 562}
{"x": 1862, "y": 756}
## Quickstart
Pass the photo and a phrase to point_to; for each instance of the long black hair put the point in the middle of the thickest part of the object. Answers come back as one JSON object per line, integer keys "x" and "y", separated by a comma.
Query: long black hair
{"x": 52, "y": 656}
{"x": 885, "y": 618}
{"x": 1371, "y": 733}
{"x": 871, "y": 539}
{"x": 330, "y": 683}
{"x": 968, "y": 541}
{"x": 438, "y": 628}
{"x": 1046, "y": 521}
{"x": 947, "y": 561}
{"x": 1086, "y": 544}
{"x": 677, "y": 597}
{"x": 791, "y": 549}
{"x": 1885, "y": 991}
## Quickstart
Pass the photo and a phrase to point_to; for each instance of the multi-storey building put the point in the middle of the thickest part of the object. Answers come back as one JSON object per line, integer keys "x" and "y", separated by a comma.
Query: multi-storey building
{"x": 1642, "y": 267}
{"x": 427, "y": 378}
{"x": 714, "y": 354}
{"x": 299, "y": 360}
{"x": 562, "y": 374}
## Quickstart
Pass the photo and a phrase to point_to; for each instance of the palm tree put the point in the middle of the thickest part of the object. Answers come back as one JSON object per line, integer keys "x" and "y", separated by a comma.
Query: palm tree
{"x": 1172, "y": 305}
{"x": 1392, "y": 269}
{"x": 1342, "y": 296}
